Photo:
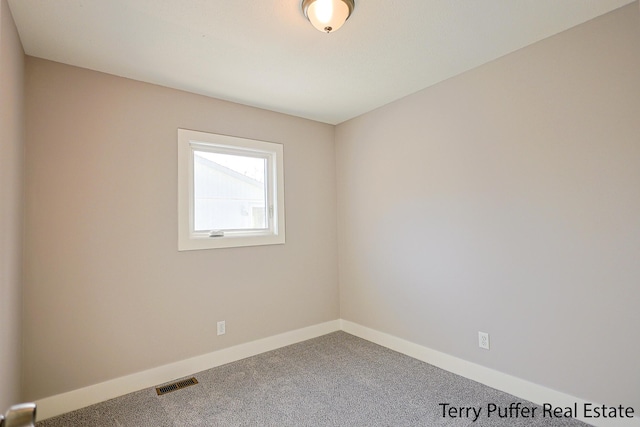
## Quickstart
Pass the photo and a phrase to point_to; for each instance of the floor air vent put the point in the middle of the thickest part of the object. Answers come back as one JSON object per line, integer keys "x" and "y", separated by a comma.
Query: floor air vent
{"x": 175, "y": 386}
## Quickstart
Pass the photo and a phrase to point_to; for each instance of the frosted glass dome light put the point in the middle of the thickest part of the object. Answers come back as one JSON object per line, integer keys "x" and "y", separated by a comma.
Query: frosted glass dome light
{"x": 327, "y": 15}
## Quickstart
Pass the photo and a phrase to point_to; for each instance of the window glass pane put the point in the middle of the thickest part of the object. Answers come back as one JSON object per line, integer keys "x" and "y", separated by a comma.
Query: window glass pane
{"x": 229, "y": 192}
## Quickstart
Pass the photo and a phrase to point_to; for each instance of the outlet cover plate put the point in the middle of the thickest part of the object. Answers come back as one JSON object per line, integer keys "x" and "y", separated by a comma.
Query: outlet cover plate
{"x": 483, "y": 340}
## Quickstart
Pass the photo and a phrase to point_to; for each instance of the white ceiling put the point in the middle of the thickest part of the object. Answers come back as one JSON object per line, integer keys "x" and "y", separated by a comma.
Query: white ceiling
{"x": 264, "y": 53}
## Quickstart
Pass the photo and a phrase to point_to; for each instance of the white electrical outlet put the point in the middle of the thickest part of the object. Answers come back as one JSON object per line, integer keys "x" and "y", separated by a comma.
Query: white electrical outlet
{"x": 222, "y": 327}
{"x": 483, "y": 340}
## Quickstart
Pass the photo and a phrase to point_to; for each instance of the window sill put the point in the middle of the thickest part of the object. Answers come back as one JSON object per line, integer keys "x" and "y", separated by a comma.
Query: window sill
{"x": 205, "y": 242}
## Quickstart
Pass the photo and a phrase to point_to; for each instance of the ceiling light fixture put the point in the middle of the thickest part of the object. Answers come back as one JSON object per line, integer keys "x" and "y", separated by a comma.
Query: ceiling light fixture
{"x": 327, "y": 15}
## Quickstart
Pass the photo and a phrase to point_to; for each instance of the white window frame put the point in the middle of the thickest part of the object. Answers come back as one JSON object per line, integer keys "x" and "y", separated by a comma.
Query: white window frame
{"x": 190, "y": 141}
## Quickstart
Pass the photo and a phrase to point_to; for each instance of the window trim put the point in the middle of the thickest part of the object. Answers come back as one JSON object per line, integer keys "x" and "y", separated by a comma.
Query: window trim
{"x": 188, "y": 142}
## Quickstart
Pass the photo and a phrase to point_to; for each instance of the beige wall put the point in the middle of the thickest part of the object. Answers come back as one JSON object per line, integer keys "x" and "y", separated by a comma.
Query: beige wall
{"x": 11, "y": 203}
{"x": 107, "y": 293}
{"x": 507, "y": 200}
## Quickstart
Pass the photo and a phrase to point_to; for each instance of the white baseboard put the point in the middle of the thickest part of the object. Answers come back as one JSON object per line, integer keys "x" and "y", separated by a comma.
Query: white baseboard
{"x": 77, "y": 399}
{"x": 518, "y": 387}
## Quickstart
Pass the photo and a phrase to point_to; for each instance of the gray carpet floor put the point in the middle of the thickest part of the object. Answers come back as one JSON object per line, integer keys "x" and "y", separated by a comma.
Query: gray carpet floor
{"x": 333, "y": 380}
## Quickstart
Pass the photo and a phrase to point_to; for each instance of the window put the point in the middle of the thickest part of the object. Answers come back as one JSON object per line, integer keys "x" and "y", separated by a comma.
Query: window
{"x": 230, "y": 191}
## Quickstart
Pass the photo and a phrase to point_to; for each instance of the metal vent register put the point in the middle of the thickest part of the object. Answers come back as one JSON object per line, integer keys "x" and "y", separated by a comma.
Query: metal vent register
{"x": 176, "y": 386}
